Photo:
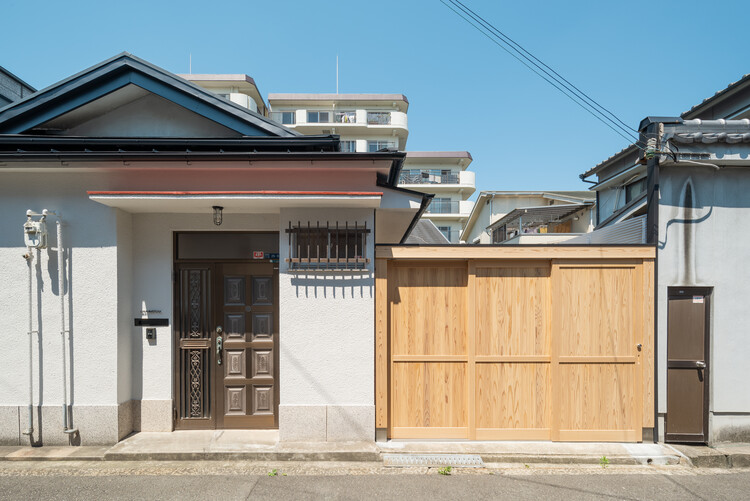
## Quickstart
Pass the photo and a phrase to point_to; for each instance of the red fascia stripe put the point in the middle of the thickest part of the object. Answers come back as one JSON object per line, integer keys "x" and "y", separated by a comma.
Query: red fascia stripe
{"x": 203, "y": 193}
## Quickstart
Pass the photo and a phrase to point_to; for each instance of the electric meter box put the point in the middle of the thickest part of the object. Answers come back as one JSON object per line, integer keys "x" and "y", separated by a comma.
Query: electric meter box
{"x": 35, "y": 234}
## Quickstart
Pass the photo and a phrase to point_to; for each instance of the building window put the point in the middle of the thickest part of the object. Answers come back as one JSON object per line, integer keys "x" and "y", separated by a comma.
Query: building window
{"x": 634, "y": 190}
{"x": 284, "y": 117}
{"x": 318, "y": 117}
{"x": 349, "y": 146}
{"x": 313, "y": 246}
{"x": 373, "y": 146}
{"x": 378, "y": 118}
{"x": 447, "y": 232}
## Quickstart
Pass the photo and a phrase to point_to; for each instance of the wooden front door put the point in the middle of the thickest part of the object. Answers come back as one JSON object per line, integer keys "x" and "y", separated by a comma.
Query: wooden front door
{"x": 687, "y": 365}
{"x": 226, "y": 345}
{"x": 246, "y": 383}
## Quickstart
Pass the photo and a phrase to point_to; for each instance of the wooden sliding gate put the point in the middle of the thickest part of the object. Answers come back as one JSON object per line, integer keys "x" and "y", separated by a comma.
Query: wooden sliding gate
{"x": 548, "y": 343}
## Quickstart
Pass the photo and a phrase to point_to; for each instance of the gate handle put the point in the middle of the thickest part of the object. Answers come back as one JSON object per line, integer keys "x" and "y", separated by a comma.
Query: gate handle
{"x": 219, "y": 344}
{"x": 700, "y": 364}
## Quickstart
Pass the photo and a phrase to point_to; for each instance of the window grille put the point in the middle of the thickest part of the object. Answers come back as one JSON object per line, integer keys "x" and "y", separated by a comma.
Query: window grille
{"x": 317, "y": 247}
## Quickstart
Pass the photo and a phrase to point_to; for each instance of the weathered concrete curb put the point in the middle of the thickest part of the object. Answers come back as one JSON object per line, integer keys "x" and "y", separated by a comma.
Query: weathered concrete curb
{"x": 719, "y": 456}
{"x": 337, "y": 456}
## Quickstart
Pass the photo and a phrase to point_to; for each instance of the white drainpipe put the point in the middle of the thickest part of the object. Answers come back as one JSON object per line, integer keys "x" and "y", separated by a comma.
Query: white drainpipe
{"x": 63, "y": 331}
{"x": 29, "y": 257}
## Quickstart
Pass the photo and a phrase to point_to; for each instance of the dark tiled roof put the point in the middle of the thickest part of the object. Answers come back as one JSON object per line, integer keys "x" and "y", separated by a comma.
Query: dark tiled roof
{"x": 426, "y": 233}
{"x": 717, "y": 95}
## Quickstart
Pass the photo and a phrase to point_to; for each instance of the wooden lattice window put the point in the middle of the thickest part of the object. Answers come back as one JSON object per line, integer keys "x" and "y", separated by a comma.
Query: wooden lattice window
{"x": 329, "y": 247}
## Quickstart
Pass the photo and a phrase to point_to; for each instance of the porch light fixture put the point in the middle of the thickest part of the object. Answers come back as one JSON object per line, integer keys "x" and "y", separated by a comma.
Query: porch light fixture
{"x": 218, "y": 216}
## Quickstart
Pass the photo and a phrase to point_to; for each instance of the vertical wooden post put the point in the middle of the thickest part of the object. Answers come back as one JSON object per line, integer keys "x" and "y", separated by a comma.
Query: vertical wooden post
{"x": 555, "y": 376}
{"x": 471, "y": 377}
{"x": 381, "y": 343}
{"x": 647, "y": 354}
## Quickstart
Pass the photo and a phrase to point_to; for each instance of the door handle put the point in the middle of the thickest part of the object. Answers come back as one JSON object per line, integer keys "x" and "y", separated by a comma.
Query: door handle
{"x": 700, "y": 364}
{"x": 219, "y": 344}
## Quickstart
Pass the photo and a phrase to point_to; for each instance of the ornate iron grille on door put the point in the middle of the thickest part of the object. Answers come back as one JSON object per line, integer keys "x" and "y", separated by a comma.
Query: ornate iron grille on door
{"x": 194, "y": 343}
{"x": 316, "y": 247}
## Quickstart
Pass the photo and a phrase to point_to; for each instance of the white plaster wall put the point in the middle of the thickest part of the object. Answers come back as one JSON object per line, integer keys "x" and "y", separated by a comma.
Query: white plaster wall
{"x": 326, "y": 324}
{"x": 90, "y": 240}
{"x": 152, "y": 288}
{"x": 125, "y": 339}
{"x": 151, "y": 116}
{"x": 712, "y": 252}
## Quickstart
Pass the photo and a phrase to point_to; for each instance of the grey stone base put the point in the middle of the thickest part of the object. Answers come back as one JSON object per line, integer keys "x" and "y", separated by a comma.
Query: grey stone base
{"x": 729, "y": 428}
{"x": 326, "y": 423}
{"x": 96, "y": 424}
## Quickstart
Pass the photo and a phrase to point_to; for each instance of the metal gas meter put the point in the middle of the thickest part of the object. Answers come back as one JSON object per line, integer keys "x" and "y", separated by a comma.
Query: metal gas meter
{"x": 35, "y": 233}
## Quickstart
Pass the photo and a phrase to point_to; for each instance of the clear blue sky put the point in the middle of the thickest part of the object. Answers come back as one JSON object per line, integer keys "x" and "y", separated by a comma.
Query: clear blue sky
{"x": 637, "y": 58}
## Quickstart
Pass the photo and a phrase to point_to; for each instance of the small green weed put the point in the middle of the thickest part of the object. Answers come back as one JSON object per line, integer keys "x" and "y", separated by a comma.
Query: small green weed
{"x": 273, "y": 473}
{"x": 604, "y": 461}
{"x": 445, "y": 470}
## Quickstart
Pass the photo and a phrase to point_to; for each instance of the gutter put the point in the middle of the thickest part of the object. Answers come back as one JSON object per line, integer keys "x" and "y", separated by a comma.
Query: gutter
{"x": 426, "y": 199}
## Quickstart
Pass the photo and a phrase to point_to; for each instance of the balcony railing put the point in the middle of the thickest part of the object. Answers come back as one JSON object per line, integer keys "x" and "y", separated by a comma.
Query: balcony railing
{"x": 425, "y": 177}
{"x": 378, "y": 118}
{"x": 443, "y": 207}
{"x": 345, "y": 117}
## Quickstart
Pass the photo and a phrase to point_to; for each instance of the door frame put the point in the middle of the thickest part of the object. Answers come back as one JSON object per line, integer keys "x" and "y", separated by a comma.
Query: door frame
{"x": 674, "y": 292}
{"x": 212, "y": 422}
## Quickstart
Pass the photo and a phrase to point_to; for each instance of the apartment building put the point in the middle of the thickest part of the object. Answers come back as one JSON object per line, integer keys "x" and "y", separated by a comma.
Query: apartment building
{"x": 372, "y": 122}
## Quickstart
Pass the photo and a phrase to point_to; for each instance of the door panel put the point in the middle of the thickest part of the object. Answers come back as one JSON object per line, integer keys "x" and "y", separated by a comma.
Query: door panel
{"x": 687, "y": 365}
{"x": 247, "y": 357}
{"x": 193, "y": 342}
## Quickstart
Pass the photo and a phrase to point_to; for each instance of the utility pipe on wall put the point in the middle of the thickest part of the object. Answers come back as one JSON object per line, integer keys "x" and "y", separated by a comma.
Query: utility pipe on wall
{"x": 63, "y": 330}
{"x": 29, "y": 257}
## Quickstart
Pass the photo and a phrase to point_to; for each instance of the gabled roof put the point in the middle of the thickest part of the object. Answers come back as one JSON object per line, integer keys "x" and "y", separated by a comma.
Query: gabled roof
{"x": 123, "y": 70}
{"x": 718, "y": 96}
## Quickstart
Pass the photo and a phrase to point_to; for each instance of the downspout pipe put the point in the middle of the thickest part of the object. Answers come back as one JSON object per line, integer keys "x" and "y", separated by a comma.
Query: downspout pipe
{"x": 29, "y": 257}
{"x": 63, "y": 330}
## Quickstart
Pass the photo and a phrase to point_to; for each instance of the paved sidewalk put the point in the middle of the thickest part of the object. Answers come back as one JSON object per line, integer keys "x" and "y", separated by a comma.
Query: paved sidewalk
{"x": 237, "y": 445}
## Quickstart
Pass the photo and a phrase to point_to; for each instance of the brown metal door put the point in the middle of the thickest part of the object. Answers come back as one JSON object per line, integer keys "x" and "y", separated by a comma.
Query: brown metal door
{"x": 246, "y": 346}
{"x": 687, "y": 365}
{"x": 193, "y": 331}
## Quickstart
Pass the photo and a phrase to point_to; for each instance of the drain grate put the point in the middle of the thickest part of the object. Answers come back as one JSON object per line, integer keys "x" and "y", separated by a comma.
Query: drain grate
{"x": 433, "y": 460}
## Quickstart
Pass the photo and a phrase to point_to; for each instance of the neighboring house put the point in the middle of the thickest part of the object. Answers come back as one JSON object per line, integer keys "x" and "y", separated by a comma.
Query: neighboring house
{"x": 529, "y": 216}
{"x": 196, "y": 234}
{"x": 686, "y": 184}
{"x": 12, "y": 88}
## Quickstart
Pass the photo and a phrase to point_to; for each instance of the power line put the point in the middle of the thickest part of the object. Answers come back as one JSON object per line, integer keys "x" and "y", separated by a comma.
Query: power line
{"x": 580, "y": 98}
{"x": 569, "y": 85}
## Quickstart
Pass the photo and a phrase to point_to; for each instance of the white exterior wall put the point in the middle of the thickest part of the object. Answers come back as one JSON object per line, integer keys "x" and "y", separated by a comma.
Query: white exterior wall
{"x": 710, "y": 253}
{"x": 90, "y": 239}
{"x": 327, "y": 339}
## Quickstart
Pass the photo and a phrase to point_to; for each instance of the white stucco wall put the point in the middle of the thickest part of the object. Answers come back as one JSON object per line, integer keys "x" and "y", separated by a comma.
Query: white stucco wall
{"x": 710, "y": 253}
{"x": 327, "y": 341}
{"x": 151, "y": 116}
{"x": 90, "y": 240}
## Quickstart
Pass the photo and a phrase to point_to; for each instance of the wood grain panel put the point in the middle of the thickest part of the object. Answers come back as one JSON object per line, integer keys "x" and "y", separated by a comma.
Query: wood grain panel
{"x": 513, "y": 395}
{"x": 597, "y": 397}
{"x": 381, "y": 343}
{"x": 428, "y": 310}
{"x": 598, "y": 307}
{"x": 647, "y": 354}
{"x": 429, "y": 395}
{"x": 512, "y": 311}
{"x": 591, "y": 252}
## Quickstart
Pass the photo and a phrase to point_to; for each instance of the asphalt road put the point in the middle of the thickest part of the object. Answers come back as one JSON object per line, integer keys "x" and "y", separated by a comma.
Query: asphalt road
{"x": 42, "y": 482}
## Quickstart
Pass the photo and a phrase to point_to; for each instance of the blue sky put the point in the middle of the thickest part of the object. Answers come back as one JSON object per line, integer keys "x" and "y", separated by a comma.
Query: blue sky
{"x": 637, "y": 58}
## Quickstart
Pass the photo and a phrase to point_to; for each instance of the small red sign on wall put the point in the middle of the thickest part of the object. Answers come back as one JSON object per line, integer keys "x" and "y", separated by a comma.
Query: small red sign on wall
{"x": 258, "y": 254}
